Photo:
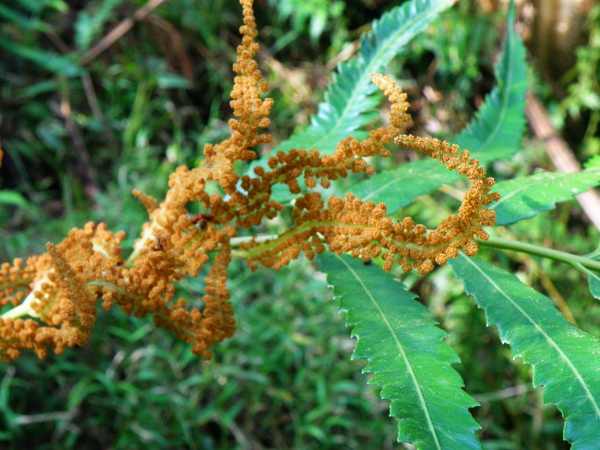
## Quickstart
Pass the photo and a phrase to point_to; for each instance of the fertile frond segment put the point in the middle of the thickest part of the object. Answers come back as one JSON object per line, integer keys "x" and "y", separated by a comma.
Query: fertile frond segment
{"x": 59, "y": 290}
{"x": 59, "y": 293}
{"x": 364, "y": 230}
{"x": 251, "y": 111}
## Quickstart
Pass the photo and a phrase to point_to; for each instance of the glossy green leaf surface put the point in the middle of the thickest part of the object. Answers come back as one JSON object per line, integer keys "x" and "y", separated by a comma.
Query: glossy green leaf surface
{"x": 350, "y": 101}
{"x": 565, "y": 360}
{"x": 524, "y": 197}
{"x": 494, "y": 133}
{"x": 406, "y": 355}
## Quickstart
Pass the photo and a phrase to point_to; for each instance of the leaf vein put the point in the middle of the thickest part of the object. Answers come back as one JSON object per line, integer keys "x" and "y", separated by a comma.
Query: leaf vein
{"x": 546, "y": 336}
{"x": 400, "y": 349}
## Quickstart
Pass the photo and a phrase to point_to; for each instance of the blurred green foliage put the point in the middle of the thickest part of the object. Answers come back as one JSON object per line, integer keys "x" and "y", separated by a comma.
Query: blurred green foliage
{"x": 78, "y": 139}
{"x": 283, "y": 381}
{"x": 583, "y": 86}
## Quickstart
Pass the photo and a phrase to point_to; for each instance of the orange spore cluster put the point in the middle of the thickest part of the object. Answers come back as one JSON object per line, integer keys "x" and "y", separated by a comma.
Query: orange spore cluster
{"x": 60, "y": 290}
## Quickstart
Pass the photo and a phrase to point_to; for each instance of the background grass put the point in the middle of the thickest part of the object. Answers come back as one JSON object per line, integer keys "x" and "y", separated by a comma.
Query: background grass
{"x": 78, "y": 141}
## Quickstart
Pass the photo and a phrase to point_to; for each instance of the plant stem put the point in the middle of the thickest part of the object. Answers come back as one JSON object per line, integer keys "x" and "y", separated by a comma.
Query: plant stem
{"x": 496, "y": 242}
{"x": 556, "y": 255}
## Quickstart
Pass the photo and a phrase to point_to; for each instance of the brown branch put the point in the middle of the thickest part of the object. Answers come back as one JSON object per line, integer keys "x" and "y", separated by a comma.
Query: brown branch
{"x": 561, "y": 155}
{"x": 119, "y": 31}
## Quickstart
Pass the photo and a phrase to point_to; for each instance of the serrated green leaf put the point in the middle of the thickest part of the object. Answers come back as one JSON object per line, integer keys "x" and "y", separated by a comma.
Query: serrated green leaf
{"x": 565, "y": 360}
{"x": 524, "y": 197}
{"x": 350, "y": 100}
{"x": 406, "y": 355}
{"x": 496, "y": 131}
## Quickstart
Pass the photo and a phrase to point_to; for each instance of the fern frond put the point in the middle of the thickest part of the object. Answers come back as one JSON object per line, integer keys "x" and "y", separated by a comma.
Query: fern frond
{"x": 494, "y": 133}
{"x": 565, "y": 360}
{"x": 526, "y": 196}
{"x": 406, "y": 355}
{"x": 350, "y": 100}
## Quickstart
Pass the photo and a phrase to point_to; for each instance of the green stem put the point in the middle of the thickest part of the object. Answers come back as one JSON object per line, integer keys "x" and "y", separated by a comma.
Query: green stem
{"x": 496, "y": 242}
{"x": 550, "y": 253}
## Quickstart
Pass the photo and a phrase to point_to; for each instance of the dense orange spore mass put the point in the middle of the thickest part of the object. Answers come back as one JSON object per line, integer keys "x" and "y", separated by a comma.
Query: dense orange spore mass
{"x": 60, "y": 289}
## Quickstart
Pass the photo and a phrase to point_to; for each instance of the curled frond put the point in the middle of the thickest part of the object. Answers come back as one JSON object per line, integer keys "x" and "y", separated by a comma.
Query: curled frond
{"x": 362, "y": 229}
{"x": 60, "y": 290}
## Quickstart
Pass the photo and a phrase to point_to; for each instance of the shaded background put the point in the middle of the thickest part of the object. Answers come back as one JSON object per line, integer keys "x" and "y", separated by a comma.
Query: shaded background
{"x": 81, "y": 128}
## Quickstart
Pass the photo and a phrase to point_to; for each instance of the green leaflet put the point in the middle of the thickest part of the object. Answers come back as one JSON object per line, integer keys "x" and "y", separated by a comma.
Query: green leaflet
{"x": 350, "y": 101}
{"x": 406, "y": 355}
{"x": 524, "y": 197}
{"x": 565, "y": 359}
{"x": 494, "y": 133}
{"x": 398, "y": 187}
{"x": 594, "y": 280}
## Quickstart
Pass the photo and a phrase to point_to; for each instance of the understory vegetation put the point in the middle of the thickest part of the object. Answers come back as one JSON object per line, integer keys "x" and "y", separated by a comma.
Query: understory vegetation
{"x": 477, "y": 329}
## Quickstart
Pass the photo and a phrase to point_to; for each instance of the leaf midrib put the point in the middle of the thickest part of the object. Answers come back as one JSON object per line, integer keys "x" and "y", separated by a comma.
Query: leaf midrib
{"x": 547, "y": 337}
{"x": 400, "y": 349}
{"x": 374, "y": 65}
